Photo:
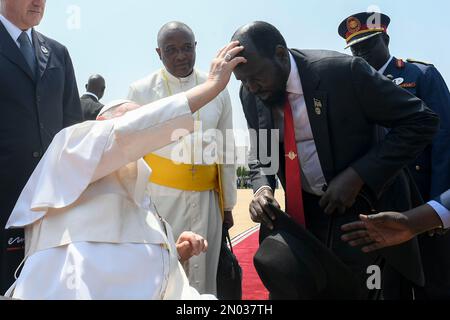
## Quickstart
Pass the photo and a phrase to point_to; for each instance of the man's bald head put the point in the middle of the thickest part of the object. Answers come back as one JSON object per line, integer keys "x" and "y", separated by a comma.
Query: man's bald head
{"x": 268, "y": 63}
{"x": 260, "y": 37}
{"x": 116, "y": 109}
{"x": 171, "y": 27}
{"x": 176, "y": 48}
{"x": 96, "y": 85}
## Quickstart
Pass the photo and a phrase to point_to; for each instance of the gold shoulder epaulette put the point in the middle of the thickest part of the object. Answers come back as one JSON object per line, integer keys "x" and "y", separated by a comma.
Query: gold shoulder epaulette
{"x": 420, "y": 62}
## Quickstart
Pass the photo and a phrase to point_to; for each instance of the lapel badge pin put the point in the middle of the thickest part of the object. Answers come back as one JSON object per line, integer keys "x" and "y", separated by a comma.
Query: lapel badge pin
{"x": 44, "y": 50}
{"x": 318, "y": 106}
{"x": 398, "y": 81}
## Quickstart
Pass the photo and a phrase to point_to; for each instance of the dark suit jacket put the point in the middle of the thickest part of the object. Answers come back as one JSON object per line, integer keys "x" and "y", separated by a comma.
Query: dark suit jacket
{"x": 353, "y": 99}
{"x": 91, "y": 107}
{"x": 33, "y": 111}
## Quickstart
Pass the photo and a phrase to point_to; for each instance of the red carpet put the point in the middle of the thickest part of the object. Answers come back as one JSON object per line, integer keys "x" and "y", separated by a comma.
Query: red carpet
{"x": 245, "y": 249}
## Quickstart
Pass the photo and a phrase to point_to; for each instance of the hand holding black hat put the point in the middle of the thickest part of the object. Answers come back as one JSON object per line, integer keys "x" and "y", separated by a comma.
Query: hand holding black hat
{"x": 261, "y": 210}
{"x": 342, "y": 192}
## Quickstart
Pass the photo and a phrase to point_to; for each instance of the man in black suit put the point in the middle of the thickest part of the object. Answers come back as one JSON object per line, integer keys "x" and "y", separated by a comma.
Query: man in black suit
{"x": 90, "y": 101}
{"x": 38, "y": 98}
{"x": 327, "y": 106}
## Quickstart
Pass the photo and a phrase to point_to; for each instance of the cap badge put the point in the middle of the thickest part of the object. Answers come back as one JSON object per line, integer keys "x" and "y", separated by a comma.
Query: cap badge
{"x": 353, "y": 25}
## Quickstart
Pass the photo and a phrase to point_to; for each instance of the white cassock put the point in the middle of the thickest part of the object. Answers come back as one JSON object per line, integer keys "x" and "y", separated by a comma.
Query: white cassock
{"x": 92, "y": 231}
{"x": 195, "y": 211}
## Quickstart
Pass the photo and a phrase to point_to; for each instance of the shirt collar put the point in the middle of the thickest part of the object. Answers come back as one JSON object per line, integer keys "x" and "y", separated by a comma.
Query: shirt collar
{"x": 294, "y": 84}
{"x": 383, "y": 68}
{"x": 13, "y": 30}
{"x": 92, "y": 95}
{"x": 172, "y": 79}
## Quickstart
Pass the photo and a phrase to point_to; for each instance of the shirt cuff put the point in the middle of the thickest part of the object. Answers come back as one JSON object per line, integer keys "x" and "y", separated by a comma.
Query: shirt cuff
{"x": 258, "y": 192}
{"x": 443, "y": 213}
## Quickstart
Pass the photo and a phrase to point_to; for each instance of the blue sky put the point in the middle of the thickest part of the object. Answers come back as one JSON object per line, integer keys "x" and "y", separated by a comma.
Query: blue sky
{"x": 117, "y": 38}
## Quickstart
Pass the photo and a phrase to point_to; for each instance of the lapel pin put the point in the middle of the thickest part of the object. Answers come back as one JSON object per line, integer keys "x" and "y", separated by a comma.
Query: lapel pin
{"x": 398, "y": 81}
{"x": 44, "y": 50}
{"x": 318, "y": 106}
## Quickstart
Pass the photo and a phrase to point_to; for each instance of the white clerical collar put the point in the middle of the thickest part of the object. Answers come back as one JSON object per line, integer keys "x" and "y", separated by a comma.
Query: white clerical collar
{"x": 383, "y": 68}
{"x": 172, "y": 79}
{"x": 294, "y": 84}
{"x": 92, "y": 95}
{"x": 14, "y": 31}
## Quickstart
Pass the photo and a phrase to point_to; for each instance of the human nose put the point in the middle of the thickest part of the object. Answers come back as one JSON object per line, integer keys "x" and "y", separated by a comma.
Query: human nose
{"x": 181, "y": 55}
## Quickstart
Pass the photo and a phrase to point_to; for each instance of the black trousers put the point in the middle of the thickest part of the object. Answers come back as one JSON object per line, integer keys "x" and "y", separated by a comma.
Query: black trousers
{"x": 11, "y": 255}
{"x": 435, "y": 252}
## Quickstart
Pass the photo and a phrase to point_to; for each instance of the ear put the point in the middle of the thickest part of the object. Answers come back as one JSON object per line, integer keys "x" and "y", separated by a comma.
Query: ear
{"x": 158, "y": 51}
{"x": 86, "y": 86}
{"x": 282, "y": 57}
{"x": 282, "y": 54}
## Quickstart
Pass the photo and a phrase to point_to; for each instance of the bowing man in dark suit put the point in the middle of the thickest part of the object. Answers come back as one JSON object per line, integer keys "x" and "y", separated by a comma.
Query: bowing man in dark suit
{"x": 327, "y": 106}
{"x": 431, "y": 170}
{"x": 38, "y": 98}
{"x": 90, "y": 101}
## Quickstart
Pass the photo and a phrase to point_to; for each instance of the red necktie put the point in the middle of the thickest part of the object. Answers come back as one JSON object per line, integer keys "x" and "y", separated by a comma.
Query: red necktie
{"x": 293, "y": 172}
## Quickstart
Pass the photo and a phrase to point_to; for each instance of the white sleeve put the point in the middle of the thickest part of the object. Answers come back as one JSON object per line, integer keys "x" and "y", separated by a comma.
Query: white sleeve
{"x": 145, "y": 130}
{"x": 443, "y": 213}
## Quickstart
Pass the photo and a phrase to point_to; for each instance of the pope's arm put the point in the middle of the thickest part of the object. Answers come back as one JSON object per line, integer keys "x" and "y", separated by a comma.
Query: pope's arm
{"x": 143, "y": 131}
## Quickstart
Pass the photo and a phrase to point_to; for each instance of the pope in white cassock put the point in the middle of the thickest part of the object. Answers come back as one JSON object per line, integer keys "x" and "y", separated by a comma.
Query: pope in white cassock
{"x": 197, "y": 195}
{"x": 92, "y": 231}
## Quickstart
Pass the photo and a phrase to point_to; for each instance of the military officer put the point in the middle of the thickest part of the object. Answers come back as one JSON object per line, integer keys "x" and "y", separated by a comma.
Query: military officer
{"x": 366, "y": 35}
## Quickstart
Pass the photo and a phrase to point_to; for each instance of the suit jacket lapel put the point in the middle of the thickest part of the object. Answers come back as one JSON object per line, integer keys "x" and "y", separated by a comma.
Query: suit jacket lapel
{"x": 391, "y": 69}
{"x": 265, "y": 116}
{"x": 42, "y": 54}
{"x": 317, "y": 106}
{"x": 10, "y": 50}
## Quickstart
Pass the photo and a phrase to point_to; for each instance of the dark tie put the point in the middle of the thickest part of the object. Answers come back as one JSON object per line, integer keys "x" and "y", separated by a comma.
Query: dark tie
{"x": 27, "y": 50}
{"x": 294, "y": 195}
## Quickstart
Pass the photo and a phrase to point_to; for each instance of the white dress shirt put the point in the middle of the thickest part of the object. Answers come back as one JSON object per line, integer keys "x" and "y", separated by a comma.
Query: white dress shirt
{"x": 313, "y": 179}
{"x": 14, "y": 31}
